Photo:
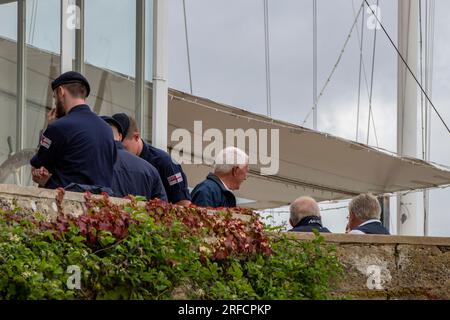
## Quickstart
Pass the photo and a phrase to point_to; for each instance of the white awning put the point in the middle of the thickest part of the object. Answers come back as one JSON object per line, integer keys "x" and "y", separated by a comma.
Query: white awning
{"x": 311, "y": 163}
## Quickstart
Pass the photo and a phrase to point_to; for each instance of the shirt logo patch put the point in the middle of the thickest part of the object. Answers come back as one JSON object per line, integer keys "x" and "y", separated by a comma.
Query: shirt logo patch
{"x": 176, "y": 178}
{"x": 45, "y": 142}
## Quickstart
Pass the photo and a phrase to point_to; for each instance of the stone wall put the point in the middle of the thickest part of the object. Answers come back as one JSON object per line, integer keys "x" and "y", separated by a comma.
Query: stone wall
{"x": 392, "y": 267}
{"x": 376, "y": 267}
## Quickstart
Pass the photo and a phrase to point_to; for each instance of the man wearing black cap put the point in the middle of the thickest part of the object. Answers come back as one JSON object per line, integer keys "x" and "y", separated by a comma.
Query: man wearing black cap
{"x": 133, "y": 175}
{"x": 77, "y": 151}
{"x": 172, "y": 175}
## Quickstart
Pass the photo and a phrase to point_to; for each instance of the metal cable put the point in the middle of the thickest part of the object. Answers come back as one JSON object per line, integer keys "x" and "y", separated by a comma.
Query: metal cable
{"x": 412, "y": 73}
{"x": 371, "y": 80}
{"x": 187, "y": 46}
{"x": 267, "y": 57}
{"x": 365, "y": 79}
{"x": 336, "y": 64}
{"x": 360, "y": 69}
{"x": 315, "y": 64}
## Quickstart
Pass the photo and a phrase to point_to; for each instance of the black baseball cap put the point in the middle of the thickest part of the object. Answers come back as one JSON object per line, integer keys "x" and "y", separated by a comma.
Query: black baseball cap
{"x": 71, "y": 77}
{"x": 111, "y": 120}
{"x": 124, "y": 120}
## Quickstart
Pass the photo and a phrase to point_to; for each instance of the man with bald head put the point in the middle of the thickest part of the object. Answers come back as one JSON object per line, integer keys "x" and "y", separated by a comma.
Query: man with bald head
{"x": 305, "y": 216}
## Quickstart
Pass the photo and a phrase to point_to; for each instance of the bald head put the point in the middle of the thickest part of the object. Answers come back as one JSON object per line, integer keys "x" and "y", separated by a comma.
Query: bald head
{"x": 303, "y": 207}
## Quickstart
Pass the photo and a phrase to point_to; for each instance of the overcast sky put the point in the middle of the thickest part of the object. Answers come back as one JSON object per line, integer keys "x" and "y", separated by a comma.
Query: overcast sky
{"x": 228, "y": 63}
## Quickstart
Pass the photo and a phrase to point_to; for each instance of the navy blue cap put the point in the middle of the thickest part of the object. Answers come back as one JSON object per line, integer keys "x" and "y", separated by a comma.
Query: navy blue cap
{"x": 124, "y": 121}
{"x": 114, "y": 122}
{"x": 71, "y": 77}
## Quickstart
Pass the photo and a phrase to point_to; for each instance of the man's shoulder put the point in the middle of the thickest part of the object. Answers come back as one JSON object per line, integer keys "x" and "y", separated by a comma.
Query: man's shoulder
{"x": 206, "y": 185}
{"x": 134, "y": 161}
{"x": 158, "y": 153}
{"x": 160, "y": 158}
{"x": 73, "y": 120}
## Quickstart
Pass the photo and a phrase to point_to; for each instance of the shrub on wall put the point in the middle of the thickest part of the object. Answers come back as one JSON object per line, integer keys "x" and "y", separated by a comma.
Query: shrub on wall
{"x": 157, "y": 251}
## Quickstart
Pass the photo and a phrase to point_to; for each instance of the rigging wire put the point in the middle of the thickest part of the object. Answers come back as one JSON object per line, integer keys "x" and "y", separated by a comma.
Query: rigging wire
{"x": 371, "y": 80}
{"x": 33, "y": 18}
{"x": 365, "y": 81}
{"x": 360, "y": 69}
{"x": 410, "y": 71}
{"x": 267, "y": 57}
{"x": 336, "y": 64}
{"x": 315, "y": 63}
{"x": 187, "y": 46}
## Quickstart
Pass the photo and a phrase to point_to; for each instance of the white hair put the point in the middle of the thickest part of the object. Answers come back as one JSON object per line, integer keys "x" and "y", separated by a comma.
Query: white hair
{"x": 365, "y": 207}
{"x": 229, "y": 158}
{"x": 303, "y": 207}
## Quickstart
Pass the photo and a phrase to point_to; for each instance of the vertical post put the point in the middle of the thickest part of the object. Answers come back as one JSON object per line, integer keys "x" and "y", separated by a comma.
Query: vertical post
{"x": 139, "y": 96}
{"x": 315, "y": 64}
{"x": 21, "y": 78}
{"x": 79, "y": 38}
{"x": 407, "y": 218}
{"x": 385, "y": 211}
{"x": 66, "y": 35}
{"x": 160, "y": 85}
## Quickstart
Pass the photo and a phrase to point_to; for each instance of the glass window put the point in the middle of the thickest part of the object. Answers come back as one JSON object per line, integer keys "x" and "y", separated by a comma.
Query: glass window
{"x": 110, "y": 38}
{"x": 43, "y": 65}
{"x": 8, "y": 90}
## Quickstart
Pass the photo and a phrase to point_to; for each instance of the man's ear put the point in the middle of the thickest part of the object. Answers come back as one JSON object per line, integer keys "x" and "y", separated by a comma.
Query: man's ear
{"x": 137, "y": 136}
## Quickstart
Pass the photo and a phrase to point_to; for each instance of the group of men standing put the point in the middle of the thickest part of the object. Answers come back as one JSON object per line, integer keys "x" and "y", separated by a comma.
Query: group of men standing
{"x": 80, "y": 151}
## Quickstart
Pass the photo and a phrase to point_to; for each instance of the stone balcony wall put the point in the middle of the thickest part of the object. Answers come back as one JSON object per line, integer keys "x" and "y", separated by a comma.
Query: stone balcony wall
{"x": 376, "y": 267}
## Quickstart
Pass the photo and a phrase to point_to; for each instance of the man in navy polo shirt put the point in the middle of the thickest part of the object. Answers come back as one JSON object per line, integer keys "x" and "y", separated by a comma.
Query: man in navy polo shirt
{"x": 364, "y": 216}
{"x": 77, "y": 149}
{"x": 172, "y": 175}
{"x": 305, "y": 216}
{"x": 230, "y": 171}
{"x": 133, "y": 175}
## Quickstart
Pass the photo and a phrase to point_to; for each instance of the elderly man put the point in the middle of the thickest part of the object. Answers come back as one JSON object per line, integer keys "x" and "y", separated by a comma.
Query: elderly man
{"x": 230, "y": 171}
{"x": 364, "y": 216}
{"x": 305, "y": 216}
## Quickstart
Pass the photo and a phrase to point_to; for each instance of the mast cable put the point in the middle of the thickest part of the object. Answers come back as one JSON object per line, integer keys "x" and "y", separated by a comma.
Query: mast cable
{"x": 410, "y": 71}
{"x": 336, "y": 64}
{"x": 187, "y": 46}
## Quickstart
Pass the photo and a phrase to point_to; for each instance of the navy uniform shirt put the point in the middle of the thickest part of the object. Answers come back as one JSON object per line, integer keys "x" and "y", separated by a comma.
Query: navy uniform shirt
{"x": 135, "y": 176}
{"x": 172, "y": 175}
{"x": 212, "y": 193}
{"x": 77, "y": 148}
{"x": 308, "y": 224}
{"x": 371, "y": 227}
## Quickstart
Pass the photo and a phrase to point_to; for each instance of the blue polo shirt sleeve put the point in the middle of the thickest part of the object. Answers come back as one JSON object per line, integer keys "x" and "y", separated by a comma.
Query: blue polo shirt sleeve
{"x": 175, "y": 182}
{"x": 49, "y": 148}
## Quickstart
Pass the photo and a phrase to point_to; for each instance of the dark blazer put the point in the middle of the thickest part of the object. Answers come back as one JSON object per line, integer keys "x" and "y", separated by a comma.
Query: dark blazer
{"x": 374, "y": 227}
{"x": 308, "y": 224}
{"x": 212, "y": 193}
